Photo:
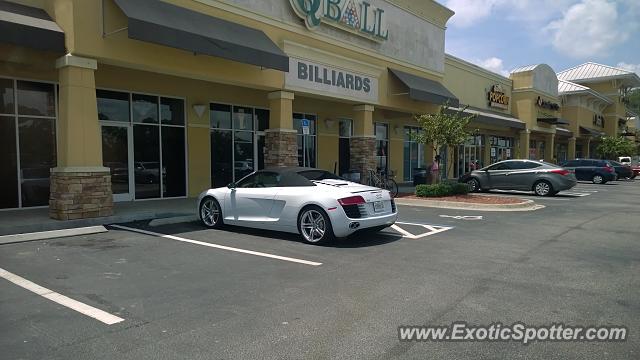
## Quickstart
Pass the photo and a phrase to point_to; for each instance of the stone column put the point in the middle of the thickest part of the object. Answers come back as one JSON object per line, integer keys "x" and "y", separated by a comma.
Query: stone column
{"x": 363, "y": 142}
{"x": 80, "y": 184}
{"x": 281, "y": 146}
{"x": 571, "y": 148}
{"x": 524, "y": 143}
{"x": 549, "y": 146}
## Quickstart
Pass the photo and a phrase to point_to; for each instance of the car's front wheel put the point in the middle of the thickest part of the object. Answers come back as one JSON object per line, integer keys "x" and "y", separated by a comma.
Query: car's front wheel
{"x": 314, "y": 225}
{"x": 597, "y": 179}
{"x": 474, "y": 185}
{"x": 210, "y": 213}
{"x": 543, "y": 188}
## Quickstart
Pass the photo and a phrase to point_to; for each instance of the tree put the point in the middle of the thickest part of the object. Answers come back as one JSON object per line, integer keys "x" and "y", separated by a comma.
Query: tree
{"x": 611, "y": 147}
{"x": 446, "y": 128}
{"x": 634, "y": 100}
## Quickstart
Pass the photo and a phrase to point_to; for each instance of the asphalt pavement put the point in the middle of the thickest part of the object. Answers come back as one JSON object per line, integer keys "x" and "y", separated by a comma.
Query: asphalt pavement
{"x": 184, "y": 292}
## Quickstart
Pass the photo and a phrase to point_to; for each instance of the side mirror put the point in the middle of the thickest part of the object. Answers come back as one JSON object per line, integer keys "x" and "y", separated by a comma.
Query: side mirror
{"x": 232, "y": 186}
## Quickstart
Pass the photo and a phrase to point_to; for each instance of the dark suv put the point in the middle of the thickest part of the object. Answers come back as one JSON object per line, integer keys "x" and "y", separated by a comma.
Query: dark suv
{"x": 596, "y": 171}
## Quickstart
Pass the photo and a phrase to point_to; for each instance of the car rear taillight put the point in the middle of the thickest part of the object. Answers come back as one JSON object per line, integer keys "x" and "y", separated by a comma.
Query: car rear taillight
{"x": 351, "y": 200}
{"x": 562, "y": 172}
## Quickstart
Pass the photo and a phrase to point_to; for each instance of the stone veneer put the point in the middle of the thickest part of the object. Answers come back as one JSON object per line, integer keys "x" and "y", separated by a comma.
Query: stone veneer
{"x": 80, "y": 195}
{"x": 363, "y": 156}
{"x": 281, "y": 148}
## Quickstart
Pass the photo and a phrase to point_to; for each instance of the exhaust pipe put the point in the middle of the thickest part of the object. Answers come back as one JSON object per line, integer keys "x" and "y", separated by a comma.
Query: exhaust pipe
{"x": 354, "y": 225}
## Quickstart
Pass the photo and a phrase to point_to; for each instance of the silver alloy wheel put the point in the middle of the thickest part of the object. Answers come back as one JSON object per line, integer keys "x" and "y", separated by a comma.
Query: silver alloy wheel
{"x": 312, "y": 225}
{"x": 473, "y": 185}
{"x": 210, "y": 212}
{"x": 543, "y": 188}
{"x": 597, "y": 179}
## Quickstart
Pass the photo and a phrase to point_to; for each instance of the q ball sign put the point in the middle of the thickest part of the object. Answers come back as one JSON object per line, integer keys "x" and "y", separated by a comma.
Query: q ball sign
{"x": 357, "y": 16}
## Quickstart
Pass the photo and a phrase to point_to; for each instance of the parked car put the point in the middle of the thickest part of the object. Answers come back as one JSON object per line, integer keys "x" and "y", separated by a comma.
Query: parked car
{"x": 626, "y": 160}
{"x": 314, "y": 203}
{"x": 636, "y": 169}
{"x": 544, "y": 179}
{"x": 596, "y": 171}
{"x": 622, "y": 171}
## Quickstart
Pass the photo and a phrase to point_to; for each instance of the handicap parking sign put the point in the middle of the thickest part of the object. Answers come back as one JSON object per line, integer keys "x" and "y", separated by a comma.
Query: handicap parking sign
{"x": 305, "y": 126}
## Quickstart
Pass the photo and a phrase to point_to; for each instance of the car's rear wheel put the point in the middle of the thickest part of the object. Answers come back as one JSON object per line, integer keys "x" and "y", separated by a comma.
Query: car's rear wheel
{"x": 474, "y": 185}
{"x": 210, "y": 213}
{"x": 314, "y": 225}
{"x": 597, "y": 179}
{"x": 543, "y": 188}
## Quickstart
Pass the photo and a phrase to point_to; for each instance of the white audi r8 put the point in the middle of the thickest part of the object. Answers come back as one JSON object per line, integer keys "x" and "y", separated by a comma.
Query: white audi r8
{"x": 311, "y": 202}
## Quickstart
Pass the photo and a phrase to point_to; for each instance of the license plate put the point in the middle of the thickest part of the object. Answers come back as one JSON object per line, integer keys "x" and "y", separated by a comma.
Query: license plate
{"x": 378, "y": 206}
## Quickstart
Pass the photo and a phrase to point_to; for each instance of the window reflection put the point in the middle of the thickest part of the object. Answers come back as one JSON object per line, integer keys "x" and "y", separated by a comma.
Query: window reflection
{"x": 37, "y": 157}
{"x": 7, "y": 101}
{"x": 146, "y": 140}
{"x": 36, "y": 99}
{"x": 8, "y": 163}
{"x": 113, "y": 106}
{"x": 145, "y": 108}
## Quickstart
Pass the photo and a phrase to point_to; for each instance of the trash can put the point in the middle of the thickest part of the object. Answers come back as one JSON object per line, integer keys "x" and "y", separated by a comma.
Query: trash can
{"x": 420, "y": 176}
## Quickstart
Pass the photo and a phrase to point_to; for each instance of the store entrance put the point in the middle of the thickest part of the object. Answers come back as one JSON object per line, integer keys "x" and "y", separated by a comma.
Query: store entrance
{"x": 117, "y": 143}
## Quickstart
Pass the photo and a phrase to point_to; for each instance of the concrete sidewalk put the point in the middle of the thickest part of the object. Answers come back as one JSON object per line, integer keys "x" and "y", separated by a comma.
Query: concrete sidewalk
{"x": 34, "y": 220}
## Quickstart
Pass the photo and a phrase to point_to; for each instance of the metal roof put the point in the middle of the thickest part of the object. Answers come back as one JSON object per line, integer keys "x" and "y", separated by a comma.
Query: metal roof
{"x": 525, "y": 68}
{"x": 591, "y": 71}
{"x": 568, "y": 87}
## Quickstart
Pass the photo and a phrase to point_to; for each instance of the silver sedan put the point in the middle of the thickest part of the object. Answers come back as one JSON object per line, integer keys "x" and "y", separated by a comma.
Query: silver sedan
{"x": 544, "y": 179}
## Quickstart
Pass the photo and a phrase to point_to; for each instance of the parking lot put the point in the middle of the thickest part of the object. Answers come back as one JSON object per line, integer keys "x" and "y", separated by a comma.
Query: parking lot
{"x": 181, "y": 291}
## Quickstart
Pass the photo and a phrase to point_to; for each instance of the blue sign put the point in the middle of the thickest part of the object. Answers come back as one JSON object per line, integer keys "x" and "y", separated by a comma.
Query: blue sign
{"x": 305, "y": 122}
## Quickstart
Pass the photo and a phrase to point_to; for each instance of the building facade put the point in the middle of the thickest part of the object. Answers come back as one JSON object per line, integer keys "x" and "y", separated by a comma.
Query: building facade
{"x": 128, "y": 100}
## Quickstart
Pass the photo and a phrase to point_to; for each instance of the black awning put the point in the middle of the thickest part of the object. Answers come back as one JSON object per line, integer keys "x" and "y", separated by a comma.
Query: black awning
{"x": 165, "y": 24}
{"x": 494, "y": 119}
{"x": 564, "y": 132}
{"x": 554, "y": 121}
{"x": 427, "y": 90}
{"x": 30, "y": 27}
{"x": 590, "y": 132}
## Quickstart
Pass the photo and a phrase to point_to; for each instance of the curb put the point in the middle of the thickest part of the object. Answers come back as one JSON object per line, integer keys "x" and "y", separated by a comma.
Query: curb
{"x": 526, "y": 205}
{"x": 73, "y": 224}
{"x": 52, "y": 234}
{"x": 173, "y": 220}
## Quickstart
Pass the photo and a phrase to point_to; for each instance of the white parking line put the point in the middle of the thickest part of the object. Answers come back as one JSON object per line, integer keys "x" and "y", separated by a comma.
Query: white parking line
{"x": 433, "y": 229}
{"x": 82, "y": 308}
{"x": 222, "y": 247}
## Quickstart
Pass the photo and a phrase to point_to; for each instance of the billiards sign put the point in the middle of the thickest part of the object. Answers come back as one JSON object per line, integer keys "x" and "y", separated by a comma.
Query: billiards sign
{"x": 545, "y": 104}
{"x": 356, "y": 16}
{"x": 322, "y": 79}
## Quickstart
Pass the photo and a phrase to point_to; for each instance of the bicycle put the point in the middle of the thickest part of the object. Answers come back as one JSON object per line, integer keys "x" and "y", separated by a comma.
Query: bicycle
{"x": 383, "y": 180}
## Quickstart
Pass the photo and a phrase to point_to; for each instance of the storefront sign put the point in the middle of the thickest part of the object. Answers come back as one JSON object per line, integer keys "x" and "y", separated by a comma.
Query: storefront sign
{"x": 547, "y": 104}
{"x": 598, "y": 120}
{"x": 357, "y": 16}
{"x": 497, "y": 97}
{"x": 326, "y": 80}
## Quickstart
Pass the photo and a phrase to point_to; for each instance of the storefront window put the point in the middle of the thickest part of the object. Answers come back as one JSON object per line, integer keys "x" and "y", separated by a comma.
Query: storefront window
{"x": 236, "y": 147}
{"x": 113, "y": 106}
{"x": 469, "y": 157}
{"x": 37, "y": 99}
{"x": 306, "y": 143}
{"x": 382, "y": 146}
{"x": 502, "y": 148}
{"x": 155, "y": 167}
{"x": 345, "y": 134}
{"x": 27, "y": 142}
{"x": 413, "y": 153}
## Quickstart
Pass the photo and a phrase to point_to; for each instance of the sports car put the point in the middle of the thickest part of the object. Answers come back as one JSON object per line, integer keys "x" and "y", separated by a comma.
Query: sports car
{"x": 314, "y": 203}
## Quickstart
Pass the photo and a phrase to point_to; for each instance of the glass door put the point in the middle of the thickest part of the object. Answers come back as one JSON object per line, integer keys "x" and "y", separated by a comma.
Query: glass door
{"x": 116, "y": 155}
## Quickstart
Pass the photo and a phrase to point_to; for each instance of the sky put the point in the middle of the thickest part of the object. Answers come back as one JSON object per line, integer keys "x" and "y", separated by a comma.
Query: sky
{"x": 501, "y": 35}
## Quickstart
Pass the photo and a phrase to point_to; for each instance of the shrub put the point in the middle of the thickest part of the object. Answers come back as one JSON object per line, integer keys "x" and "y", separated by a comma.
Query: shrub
{"x": 442, "y": 189}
